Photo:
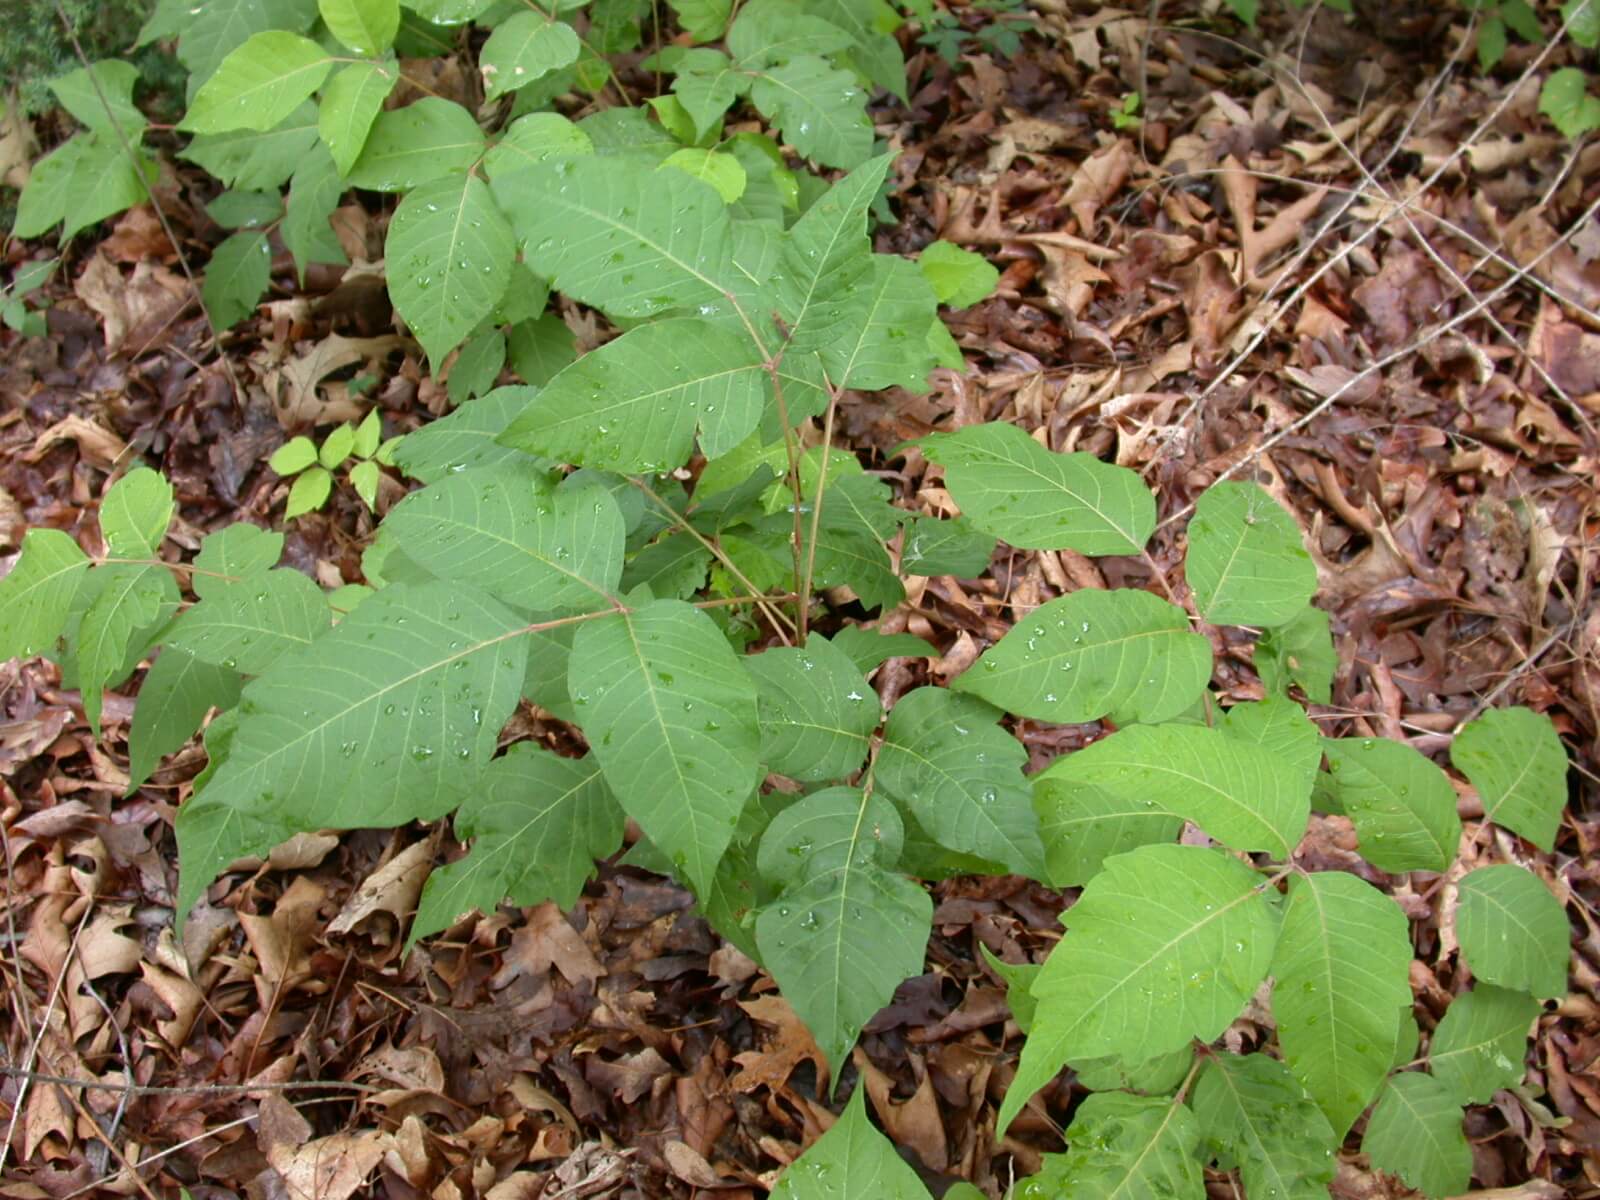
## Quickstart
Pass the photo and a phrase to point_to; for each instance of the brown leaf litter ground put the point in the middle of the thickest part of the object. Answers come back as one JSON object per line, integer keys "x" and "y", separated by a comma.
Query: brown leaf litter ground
{"x": 1356, "y": 270}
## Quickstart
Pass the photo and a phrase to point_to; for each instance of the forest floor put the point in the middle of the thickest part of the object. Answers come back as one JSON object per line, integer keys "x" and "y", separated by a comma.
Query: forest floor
{"x": 1355, "y": 268}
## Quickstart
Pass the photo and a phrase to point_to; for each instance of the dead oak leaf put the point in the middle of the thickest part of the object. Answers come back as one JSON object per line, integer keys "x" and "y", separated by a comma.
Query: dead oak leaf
{"x": 791, "y": 1046}
{"x": 1097, "y": 179}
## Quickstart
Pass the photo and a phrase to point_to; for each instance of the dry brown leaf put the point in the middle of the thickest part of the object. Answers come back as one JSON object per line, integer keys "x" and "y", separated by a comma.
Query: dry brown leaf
{"x": 547, "y": 939}
{"x": 135, "y": 310}
{"x": 293, "y": 384}
{"x": 1097, "y": 179}
{"x": 99, "y": 446}
{"x": 771, "y": 1067}
{"x": 393, "y": 888}
{"x": 914, "y": 1122}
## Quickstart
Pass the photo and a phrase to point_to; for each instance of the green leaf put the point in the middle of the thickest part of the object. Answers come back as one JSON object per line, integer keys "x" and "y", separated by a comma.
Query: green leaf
{"x": 948, "y": 547}
{"x": 537, "y": 823}
{"x": 705, "y": 85}
{"x": 827, "y": 252}
{"x": 1166, "y": 944}
{"x": 1018, "y": 978}
{"x": 671, "y": 715}
{"x": 674, "y": 566}
{"x": 1246, "y": 563}
{"x": 1566, "y": 101}
{"x": 233, "y": 553}
{"x": 1582, "y": 17}
{"x": 1082, "y": 826}
{"x": 249, "y": 159}
{"x": 945, "y": 757}
{"x": 477, "y": 366}
{"x": 259, "y": 84}
{"x": 1517, "y": 763}
{"x": 722, "y": 171}
{"x": 1240, "y": 793}
{"x": 366, "y": 26}
{"x": 533, "y": 139}
{"x": 44, "y": 197}
{"x": 465, "y": 439}
{"x": 129, "y": 604}
{"x": 959, "y": 277}
{"x": 364, "y": 478}
{"x": 237, "y": 277}
{"x": 1403, "y": 806}
{"x": 771, "y": 31}
{"x": 246, "y": 626}
{"x": 632, "y": 406}
{"x": 420, "y": 142}
{"x": 624, "y": 238}
{"x": 221, "y": 26}
{"x": 868, "y": 648}
{"x": 819, "y": 109}
{"x": 1090, "y": 653}
{"x": 1158, "y": 1076}
{"x": 1491, "y": 42}
{"x": 1415, "y": 1133}
{"x": 503, "y": 528}
{"x": 293, "y": 456}
{"x": 350, "y": 104}
{"x": 309, "y": 492}
{"x": 817, "y": 711}
{"x": 702, "y": 20}
{"x": 1256, "y": 1115}
{"x": 1034, "y": 499}
{"x": 37, "y": 594}
{"x": 875, "y": 54}
{"x": 541, "y": 349}
{"x": 1482, "y": 1043}
{"x": 852, "y": 1161}
{"x": 449, "y": 253}
{"x": 1513, "y": 931}
{"x": 874, "y": 336}
{"x": 337, "y": 445}
{"x": 846, "y": 930}
{"x": 1122, "y": 1146}
{"x": 368, "y": 434}
{"x": 1342, "y": 975}
{"x": 135, "y": 513}
{"x": 236, "y": 209}
{"x": 524, "y": 48}
{"x": 1299, "y": 652}
{"x": 412, "y": 690}
{"x": 1525, "y": 21}
{"x": 177, "y": 692}
{"x": 101, "y": 96}
{"x": 1282, "y": 728}
{"x": 104, "y": 181}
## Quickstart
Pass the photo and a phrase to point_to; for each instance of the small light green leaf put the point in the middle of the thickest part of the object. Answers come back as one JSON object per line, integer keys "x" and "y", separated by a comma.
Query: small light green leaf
{"x": 1491, "y": 42}
{"x": 465, "y": 439}
{"x": 247, "y": 626}
{"x": 1018, "y": 979}
{"x": 671, "y": 715}
{"x": 449, "y": 255}
{"x": 337, "y": 445}
{"x": 174, "y": 698}
{"x": 364, "y": 478}
{"x": 1258, "y": 1117}
{"x": 1482, "y": 1043}
{"x": 366, "y": 26}
{"x": 846, "y": 930}
{"x": 852, "y": 1161}
{"x": 350, "y": 104}
{"x": 1034, "y": 499}
{"x": 368, "y": 434}
{"x": 237, "y": 277}
{"x": 948, "y": 547}
{"x": 702, "y": 20}
{"x": 420, "y": 142}
{"x": 722, "y": 171}
{"x": 1166, "y": 944}
{"x": 1513, "y": 931}
{"x": 537, "y": 823}
{"x": 820, "y": 110}
{"x": 1342, "y": 977}
{"x": 1566, "y": 101}
{"x": 1090, "y": 653}
{"x": 309, "y": 492}
{"x": 293, "y": 456}
{"x": 503, "y": 528}
{"x": 130, "y": 603}
{"x": 1403, "y": 806}
{"x": 959, "y": 277}
{"x": 1246, "y": 563}
{"x": 108, "y": 108}
{"x": 136, "y": 512}
{"x": 1582, "y": 17}
{"x": 1123, "y": 1146}
{"x": 525, "y": 47}
{"x": 817, "y": 711}
{"x": 36, "y": 596}
{"x": 233, "y": 553}
{"x": 1299, "y": 652}
{"x": 1082, "y": 826}
{"x": 259, "y": 84}
{"x": 946, "y": 759}
{"x": 1517, "y": 763}
{"x": 1415, "y": 1133}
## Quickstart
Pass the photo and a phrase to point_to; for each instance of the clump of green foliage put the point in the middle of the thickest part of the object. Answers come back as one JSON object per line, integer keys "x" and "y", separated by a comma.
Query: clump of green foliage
{"x": 35, "y": 46}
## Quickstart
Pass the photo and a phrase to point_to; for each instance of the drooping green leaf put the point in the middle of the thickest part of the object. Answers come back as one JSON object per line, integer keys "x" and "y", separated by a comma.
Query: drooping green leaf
{"x": 237, "y": 277}
{"x": 537, "y": 823}
{"x": 233, "y": 553}
{"x": 313, "y": 195}
{"x": 1513, "y": 931}
{"x": 246, "y": 626}
{"x": 236, "y": 209}
{"x": 293, "y": 456}
{"x": 852, "y": 1161}
{"x": 135, "y": 513}
{"x": 1299, "y": 652}
{"x": 350, "y": 104}
{"x": 817, "y": 711}
{"x": 524, "y": 48}
{"x": 1516, "y": 761}
{"x": 1482, "y": 1043}
{"x": 503, "y": 528}
{"x": 1122, "y": 1146}
{"x": 959, "y": 277}
{"x": 412, "y": 145}
{"x": 671, "y": 715}
{"x": 1342, "y": 975}
{"x": 259, "y": 84}
{"x": 101, "y": 96}
{"x": 177, "y": 692}
{"x": 846, "y": 930}
{"x": 130, "y": 602}
{"x": 44, "y": 197}
{"x": 1246, "y": 563}
{"x": 948, "y": 547}
{"x": 1403, "y": 806}
{"x": 1583, "y": 21}
{"x": 722, "y": 171}
{"x": 1166, "y": 944}
{"x": 1415, "y": 1133}
{"x": 1243, "y": 795}
{"x": 1257, "y": 1117}
{"x": 465, "y": 439}
{"x": 1157, "y": 1076}
{"x": 1034, "y": 499}
{"x": 86, "y": 179}
{"x": 412, "y": 689}
{"x": 1090, "y": 653}
{"x": 449, "y": 260}
{"x": 1082, "y": 825}
{"x": 820, "y": 110}
{"x": 827, "y": 253}
{"x": 868, "y": 648}
{"x": 541, "y": 349}
{"x": 366, "y": 26}
{"x": 945, "y": 758}
{"x": 1018, "y": 978}
{"x": 246, "y": 158}
{"x": 632, "y": 406}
